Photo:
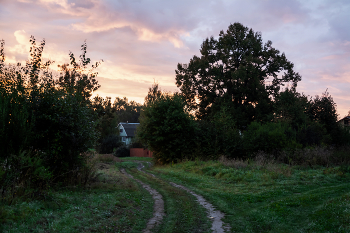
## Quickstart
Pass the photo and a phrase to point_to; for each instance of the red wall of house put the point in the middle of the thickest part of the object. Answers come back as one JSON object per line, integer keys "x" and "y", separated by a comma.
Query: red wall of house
{"x": 140, "y": 152}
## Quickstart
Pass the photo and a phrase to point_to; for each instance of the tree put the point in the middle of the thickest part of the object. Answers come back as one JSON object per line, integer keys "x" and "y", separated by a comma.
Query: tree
{"x": 126, "y": 111}
{"x": 322, "y": 109}
{"x": 154, "y": 92}
{"x": 290, "y": 108}
{"x": 166, "y": 129}
{"x": 232, "y": 71}
{"x": 47, "y": 118}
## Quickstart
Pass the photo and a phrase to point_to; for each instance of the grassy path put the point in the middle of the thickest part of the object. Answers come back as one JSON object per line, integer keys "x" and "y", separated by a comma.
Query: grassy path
{"x": 182, "y": 212}
{"x": 158, "y": 212}
{"x": 213, "y": 214}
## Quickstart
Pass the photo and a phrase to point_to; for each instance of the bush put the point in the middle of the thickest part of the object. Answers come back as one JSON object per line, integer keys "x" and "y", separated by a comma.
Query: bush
{"x": 269, "y": 138}
{"x": 15, "y": 125}
{"x": 217, "y": 137}
{"x": 109, "y": 144}
{"x": 167, "y": 129}
{"x": 48, "y": 117}
{"x": 24, "y": 174}
{"x": 122, "y": 151}
{"x": 136, "y": 144}
{"x": 313, "y": 135}
{"x": 340, "y": 136}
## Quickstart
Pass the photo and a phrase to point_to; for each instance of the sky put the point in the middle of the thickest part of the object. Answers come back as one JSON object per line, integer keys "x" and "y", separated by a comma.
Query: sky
{"x": 142, "y": 41}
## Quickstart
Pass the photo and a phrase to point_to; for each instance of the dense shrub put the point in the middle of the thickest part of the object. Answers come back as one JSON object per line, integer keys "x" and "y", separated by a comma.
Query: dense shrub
{"x": 15, "y": 129}
{"x": 269, "y": 137}
{"x": 217, "y": 136}
{"x": 122, "y": 151}
{"x": 46, "y": 122}
{"x": 24, "y": 173}
{"x": 167, "y": 129}
{"x": 314, "y": 134}
{"x": 136, "y": 144}
{"x": 109, "y": 144}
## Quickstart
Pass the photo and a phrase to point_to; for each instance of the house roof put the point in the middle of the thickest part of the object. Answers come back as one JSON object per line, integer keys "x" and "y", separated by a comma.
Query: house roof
{"x": 347, "y": 117}
{"x": 130, "y": 128}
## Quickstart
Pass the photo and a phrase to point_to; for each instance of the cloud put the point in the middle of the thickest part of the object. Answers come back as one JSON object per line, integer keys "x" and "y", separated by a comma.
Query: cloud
{"x": 20, "y": 51}
{"x": 97, "y": 16}
{"x": 142, "y": 41}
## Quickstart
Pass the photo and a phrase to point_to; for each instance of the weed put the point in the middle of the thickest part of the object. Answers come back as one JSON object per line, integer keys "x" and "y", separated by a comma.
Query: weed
{"x": 236, "y": 163}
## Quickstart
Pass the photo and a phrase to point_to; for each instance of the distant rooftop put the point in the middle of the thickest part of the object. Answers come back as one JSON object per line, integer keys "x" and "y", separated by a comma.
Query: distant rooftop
{"x": 130, "y": 128}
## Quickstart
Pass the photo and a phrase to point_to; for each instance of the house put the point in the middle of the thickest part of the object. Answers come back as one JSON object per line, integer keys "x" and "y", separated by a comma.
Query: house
{"x": 345, "y": 122}
{"x": 127, "y": 131}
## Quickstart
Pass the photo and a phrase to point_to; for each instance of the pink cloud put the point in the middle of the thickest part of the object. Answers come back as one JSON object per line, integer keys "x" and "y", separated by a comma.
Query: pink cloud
{"x": 142, "y": 41}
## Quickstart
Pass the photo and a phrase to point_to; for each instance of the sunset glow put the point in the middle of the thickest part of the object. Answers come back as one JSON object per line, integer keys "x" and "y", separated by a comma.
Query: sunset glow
{"x": 141, "y": 42}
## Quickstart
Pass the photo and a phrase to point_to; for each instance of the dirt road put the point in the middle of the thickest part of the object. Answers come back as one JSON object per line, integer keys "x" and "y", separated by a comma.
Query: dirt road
{"x": 213, "y": 215}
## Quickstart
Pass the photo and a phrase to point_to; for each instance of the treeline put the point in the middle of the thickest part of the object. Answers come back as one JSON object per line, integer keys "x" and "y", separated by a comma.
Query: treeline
{"x": 305, "y": 132}
{"x": 226, "y": 108}
{"x": 48, "y": 122}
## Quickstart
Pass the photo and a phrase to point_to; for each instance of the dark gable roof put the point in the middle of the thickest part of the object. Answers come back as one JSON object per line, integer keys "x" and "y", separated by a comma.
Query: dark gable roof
{"x": 347, "y": 117}
{"x": 130, "y": 128}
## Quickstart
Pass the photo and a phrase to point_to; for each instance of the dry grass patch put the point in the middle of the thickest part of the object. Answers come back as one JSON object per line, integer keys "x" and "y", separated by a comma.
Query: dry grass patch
{"x": 261, "y": 161}
{"x": 108, "y": 158}
{"x": 235, "y": 163}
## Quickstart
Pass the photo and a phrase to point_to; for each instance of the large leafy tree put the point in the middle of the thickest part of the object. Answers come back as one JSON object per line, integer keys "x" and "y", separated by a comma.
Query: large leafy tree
{"x": 166, "y": 128}
{"x": 232, "y": 71}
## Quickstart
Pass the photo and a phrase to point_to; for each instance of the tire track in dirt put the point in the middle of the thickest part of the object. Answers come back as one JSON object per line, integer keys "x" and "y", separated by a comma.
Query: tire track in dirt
{"x": 218, "y": 226}
{"x": 158, "y": 212}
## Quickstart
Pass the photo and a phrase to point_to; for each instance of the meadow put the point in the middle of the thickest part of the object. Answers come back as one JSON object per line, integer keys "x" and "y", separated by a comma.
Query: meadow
{"x": 256, "y": 196}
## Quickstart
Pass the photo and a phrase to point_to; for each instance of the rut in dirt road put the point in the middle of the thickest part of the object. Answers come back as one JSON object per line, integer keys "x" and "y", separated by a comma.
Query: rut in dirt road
{"x": 158, "y": 212}
{"x": 218, "y": 226}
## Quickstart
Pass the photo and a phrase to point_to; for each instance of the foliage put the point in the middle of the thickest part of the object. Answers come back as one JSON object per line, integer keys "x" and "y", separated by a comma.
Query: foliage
{"x": 47, "y": 116}
{"x": 313, "y": 134}
{"x": 167, "y": 129}
{"x": 322, "y": 109}
{"x": 15, "y": 129}
{"x": 233, "y": 71}
{"x": 135, "y": 143}
{"x": 269, "y": 137}
{"x": 121, "y": 109}
{"x": 154, "y": 93}
{"x": 24, "y": 174}
{"x": 218, "y": 136}
{"x": 110, "y": 144}
{"x": 127, "y": 111}
{"x": 122, "y": 151}
{"x": 109, "y": 115}
{"x": 290, "y": 108}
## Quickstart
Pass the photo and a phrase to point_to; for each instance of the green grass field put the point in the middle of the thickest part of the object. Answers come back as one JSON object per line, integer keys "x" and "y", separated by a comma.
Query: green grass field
{"x": 270, "y": 198}
{"x": 254, "y": 197}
